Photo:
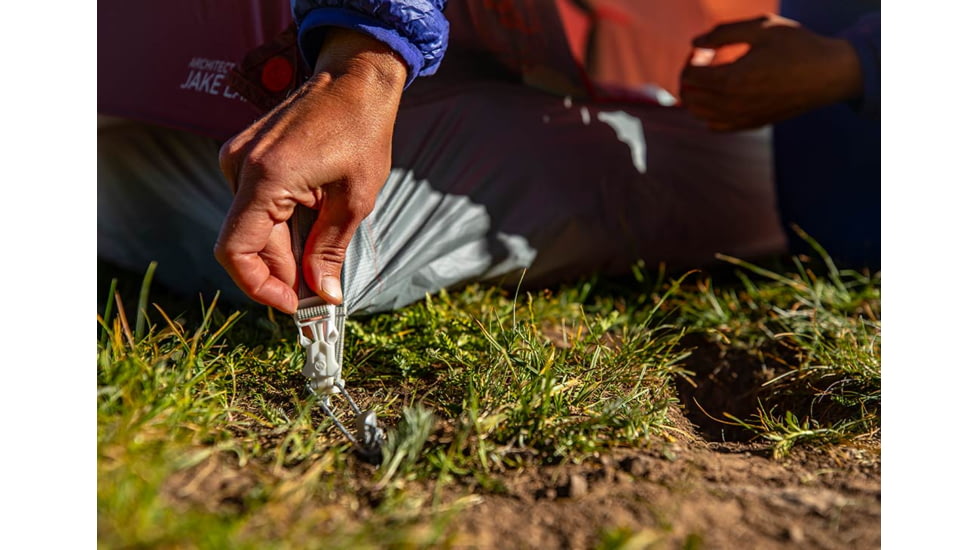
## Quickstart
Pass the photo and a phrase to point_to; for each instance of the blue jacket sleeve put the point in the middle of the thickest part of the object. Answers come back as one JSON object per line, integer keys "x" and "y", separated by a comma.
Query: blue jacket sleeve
{"x": 415, "y": 29}
{"x": 865, "y": 38}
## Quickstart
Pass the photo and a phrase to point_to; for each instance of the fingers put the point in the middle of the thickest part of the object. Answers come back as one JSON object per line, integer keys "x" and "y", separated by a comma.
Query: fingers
{"x": 709, "y": 107}
{"x": 252, "y": 250}
{"x": 303, "y": 152}
{"x": 701, "y": 57}
{"x": 748, "y": 31}
{"x": 717, "y": 61}
{"x": 701, "y": 104}
{"x": 715, "y": 78}
{"x": 722, "y": 112}
{"x": 278, "y": 256}
{"x": 328, "y": 240}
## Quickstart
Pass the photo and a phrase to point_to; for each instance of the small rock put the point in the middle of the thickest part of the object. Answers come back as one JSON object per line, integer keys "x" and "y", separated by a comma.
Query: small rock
{"x": 638, "y": 466}
{"x": 796, "y": 534}
{"x": 545, "y": 493}
{"x": 669, "y": 453}
{"x": 577, "y": 486}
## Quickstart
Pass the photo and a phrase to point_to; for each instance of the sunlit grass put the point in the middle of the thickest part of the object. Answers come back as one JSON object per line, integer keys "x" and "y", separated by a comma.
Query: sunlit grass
{"x": 207, "y": 439}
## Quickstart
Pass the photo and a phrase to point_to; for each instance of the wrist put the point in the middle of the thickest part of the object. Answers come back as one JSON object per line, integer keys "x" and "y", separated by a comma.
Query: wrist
{"x": 846, "y": 82}
{"x": 349, "y": 52}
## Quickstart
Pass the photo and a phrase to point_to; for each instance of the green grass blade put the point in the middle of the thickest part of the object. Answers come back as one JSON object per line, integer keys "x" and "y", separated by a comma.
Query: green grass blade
{"x": 107, "y": 312}
{"x": 141, "y": 311}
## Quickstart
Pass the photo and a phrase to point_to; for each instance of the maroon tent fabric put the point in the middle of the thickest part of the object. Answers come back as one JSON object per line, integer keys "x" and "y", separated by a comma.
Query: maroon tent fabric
{"x": 170, "y": 62}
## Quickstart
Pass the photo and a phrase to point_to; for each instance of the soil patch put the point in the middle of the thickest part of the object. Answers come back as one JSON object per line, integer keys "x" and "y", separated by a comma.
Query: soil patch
{"x": 686, "y": 495}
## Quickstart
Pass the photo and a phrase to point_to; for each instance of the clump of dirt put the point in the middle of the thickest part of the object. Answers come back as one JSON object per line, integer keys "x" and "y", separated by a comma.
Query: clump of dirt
{"x": 215, "y": 484}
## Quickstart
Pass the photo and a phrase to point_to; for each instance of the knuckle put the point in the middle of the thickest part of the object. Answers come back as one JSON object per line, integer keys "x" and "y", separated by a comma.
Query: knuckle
{"x": 219, "y": 250}
{"x": 228, "y": 150}
{"x": 357, "y": 198}
{"x": 221, "y": 255}
{"x": 262, "y": 163}
{"x": 329, "y": 253}
{"x": 266, "y": 162}
{"x": 361, "y": 206}
{"x": 227, "y": 159}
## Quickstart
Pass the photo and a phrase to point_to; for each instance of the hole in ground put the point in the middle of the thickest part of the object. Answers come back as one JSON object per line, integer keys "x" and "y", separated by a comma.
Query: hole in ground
{"x": 726, "y": 381}
{"x": 730, "y": 380}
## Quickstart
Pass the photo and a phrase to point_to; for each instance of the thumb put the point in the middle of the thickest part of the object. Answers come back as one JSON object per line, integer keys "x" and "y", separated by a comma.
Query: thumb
{"x": 325, "y": 249}
{"x": 747, "y": 30}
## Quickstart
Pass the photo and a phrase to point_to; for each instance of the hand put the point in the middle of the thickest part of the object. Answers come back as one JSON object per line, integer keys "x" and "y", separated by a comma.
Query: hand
{"x": 327, "y": 147}
{"x": 787, "y": 71}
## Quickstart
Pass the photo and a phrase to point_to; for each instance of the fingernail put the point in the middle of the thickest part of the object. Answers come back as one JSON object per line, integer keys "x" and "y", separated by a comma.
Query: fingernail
{"x": 332, "y": 287}
{"x": 702, "y": 57}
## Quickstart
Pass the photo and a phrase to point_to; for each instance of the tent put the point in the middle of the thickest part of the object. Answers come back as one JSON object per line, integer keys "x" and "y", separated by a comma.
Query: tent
{"x": 575, "y": 160}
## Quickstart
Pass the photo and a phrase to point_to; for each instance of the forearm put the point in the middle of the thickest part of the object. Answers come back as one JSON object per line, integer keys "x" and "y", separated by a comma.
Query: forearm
{"x": 348, "y": 52}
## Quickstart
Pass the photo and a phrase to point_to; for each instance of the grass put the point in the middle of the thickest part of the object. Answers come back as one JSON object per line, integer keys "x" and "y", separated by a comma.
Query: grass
{"x": 816, "y": 338}
{"x": 206, "y": 439}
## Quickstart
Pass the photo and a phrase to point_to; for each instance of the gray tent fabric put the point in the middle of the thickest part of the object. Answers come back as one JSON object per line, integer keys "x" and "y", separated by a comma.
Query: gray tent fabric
{"x": 161, "y": 197}
{"x": 489, "y": 179}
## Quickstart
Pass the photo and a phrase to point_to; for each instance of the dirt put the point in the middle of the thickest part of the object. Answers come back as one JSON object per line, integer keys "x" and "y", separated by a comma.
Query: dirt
{"x": 688, "y": 494}
{"x": 685, "y": 493}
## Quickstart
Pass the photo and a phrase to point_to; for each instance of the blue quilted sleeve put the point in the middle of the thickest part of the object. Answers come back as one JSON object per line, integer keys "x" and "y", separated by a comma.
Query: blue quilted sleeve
{"x": 415, "y": 29}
